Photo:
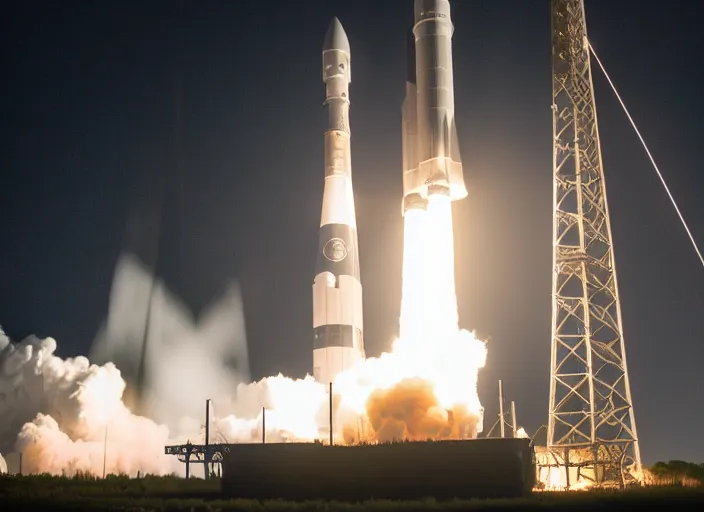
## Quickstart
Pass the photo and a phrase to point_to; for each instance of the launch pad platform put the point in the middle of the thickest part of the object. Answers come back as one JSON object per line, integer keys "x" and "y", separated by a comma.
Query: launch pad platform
{"x": 206, "y": 454}
{"x": 477, "y": 468}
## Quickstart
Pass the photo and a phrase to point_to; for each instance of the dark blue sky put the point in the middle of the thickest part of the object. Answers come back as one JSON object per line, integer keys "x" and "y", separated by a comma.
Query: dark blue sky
{"x": 224, "y": 98}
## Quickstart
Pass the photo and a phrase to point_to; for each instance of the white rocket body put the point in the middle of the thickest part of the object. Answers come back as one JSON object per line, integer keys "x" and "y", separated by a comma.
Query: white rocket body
{"x": 337, "y": 290}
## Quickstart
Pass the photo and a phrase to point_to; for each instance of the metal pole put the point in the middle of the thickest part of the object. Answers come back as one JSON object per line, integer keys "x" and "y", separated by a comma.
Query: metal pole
{"x": 513, "y": 418}
{"x": 105, "y": 449}
{"x": 331, "y": 414}
{"x": 206, "y": 456}
{"x": 20, "y": 468}
{"x": 263, "y": 425}
{"x": 501, "y": 409}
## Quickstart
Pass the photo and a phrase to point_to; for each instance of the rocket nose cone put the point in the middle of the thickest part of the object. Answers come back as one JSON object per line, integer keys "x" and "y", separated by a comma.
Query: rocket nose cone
{"x": 425, "y": 9}
{"x": 336, "y": 39}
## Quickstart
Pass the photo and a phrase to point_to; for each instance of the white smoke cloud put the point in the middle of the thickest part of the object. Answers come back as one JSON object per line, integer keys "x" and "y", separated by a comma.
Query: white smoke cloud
{"x": 186, "y": 361}
{"x": 3, "y": 465}
{"x": 20, "y": 388}
{"x": 295, "y": 410}
{"x": 67, "y": 405}
{"x": 68, "y": 415}
{"x": 55, "y": 411}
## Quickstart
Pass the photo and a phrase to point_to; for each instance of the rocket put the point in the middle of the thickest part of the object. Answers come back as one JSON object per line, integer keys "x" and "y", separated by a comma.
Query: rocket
{"x": 431, "y": 155}
{"x": 338, "y": 342}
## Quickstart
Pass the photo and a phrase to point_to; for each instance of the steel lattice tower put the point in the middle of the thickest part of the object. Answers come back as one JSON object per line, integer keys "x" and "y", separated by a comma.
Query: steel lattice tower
{"x": 591, "y": 412}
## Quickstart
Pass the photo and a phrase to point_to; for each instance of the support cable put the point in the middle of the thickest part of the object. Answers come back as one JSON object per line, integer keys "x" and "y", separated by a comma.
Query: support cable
{"x": 652, "y": 160}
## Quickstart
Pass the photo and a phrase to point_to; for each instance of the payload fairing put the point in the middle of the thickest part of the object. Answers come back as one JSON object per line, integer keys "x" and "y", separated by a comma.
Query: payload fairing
{"x": 431, "y": 155}
{"x": 337, "y": 290}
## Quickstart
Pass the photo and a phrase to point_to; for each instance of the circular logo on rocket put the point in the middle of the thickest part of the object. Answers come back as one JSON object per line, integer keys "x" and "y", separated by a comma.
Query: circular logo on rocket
{"x": 335, "y": 250}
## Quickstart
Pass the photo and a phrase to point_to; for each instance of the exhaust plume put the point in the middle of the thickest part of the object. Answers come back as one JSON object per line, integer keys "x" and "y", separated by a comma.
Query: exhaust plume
{"x": 57, "y": 412}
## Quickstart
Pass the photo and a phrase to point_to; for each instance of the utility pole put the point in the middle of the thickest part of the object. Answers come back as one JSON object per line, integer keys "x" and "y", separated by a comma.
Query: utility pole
{"x": 105, "y": 449}
{"x": 206, "y": 455}
{"x": 331, "y": 439}
{"x": 502, "y": 426}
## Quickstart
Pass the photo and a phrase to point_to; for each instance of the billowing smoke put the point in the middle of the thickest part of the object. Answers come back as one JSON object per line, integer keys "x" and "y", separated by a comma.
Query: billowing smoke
{"x": 21, "y": 389}
{"x": 426, "y": 387}
{"x": 411, "y": 411}
{"x": 58, "y": 412}
{"x": 296, "y": 410}
{"x": 184, "y": 361}
{"x": 69, "y": 415}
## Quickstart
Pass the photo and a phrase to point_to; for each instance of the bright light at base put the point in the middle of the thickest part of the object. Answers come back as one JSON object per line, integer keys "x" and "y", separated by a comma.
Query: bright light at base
{"x": 427, "y": 385}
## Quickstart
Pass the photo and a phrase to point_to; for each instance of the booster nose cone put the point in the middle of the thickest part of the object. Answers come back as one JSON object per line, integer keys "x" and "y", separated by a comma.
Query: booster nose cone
{"x": 336, "y": 38}
{"x": 425, "y": 9}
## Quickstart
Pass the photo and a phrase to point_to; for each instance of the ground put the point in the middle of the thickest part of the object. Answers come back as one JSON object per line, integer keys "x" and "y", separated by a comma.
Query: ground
{"x": 174, "y": 494}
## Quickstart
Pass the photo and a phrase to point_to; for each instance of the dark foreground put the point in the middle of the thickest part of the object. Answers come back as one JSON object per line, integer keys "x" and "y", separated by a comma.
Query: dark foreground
{"x": 174, "y": 494}
{"x": 486, "y": 468}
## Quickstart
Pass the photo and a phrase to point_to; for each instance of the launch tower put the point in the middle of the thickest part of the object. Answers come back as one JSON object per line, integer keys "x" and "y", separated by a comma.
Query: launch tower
{"x": 591, "y": 421}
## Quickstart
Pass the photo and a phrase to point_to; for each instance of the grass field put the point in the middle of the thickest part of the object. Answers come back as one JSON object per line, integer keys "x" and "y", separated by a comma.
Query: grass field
{"x": 176, "y": 494}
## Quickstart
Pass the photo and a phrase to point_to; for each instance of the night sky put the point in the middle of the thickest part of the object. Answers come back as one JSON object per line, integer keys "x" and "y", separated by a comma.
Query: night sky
{"x": 224, "y": 99}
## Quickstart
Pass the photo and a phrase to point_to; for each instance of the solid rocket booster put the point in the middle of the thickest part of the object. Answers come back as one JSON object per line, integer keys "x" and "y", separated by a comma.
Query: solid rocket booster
{"x": 431, "y": 153}
{"x": 337, "y": 290}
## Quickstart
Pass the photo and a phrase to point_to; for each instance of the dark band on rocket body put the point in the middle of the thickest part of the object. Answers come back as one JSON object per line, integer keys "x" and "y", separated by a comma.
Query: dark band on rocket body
{"x": 337, "y": 250}
{"x": 336, "y": 335}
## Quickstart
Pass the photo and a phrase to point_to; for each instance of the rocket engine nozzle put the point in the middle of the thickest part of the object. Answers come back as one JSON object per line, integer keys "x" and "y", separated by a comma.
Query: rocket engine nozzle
{"x": 437, "y": 189}
{"x": 414, "y": 202}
